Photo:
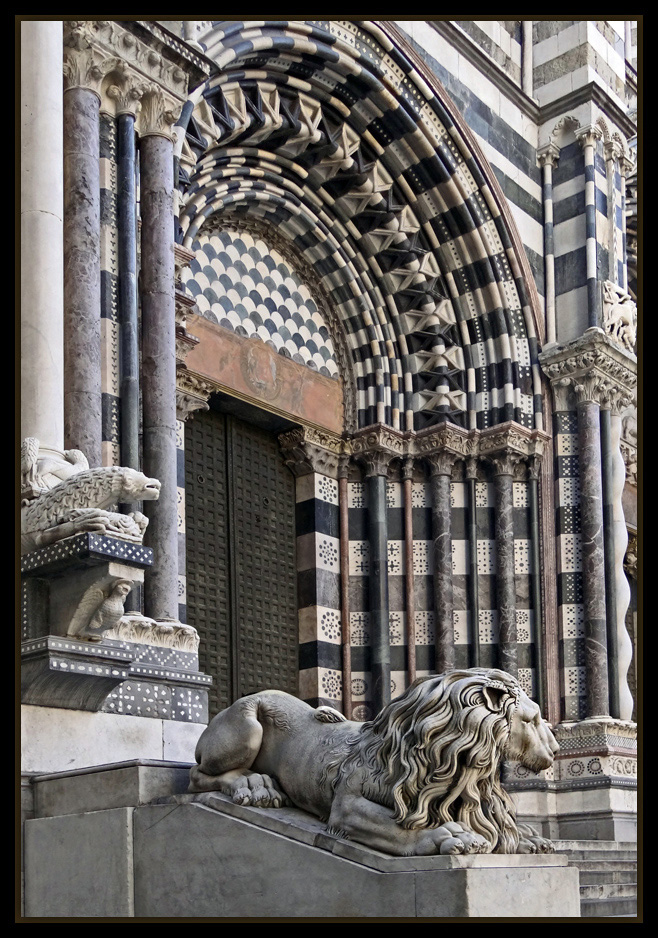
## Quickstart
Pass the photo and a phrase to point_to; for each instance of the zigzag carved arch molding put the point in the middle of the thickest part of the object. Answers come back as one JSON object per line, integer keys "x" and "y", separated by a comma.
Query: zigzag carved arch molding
{"x": 325, "y": 133}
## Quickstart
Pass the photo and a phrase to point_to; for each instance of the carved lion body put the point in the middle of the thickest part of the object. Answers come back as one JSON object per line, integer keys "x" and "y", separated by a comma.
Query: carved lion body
{"x": 80, "y": 503}
{"x": 423, "y": 777}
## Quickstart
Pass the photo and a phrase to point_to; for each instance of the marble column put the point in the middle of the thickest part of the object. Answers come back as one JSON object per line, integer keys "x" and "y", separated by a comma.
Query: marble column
{"x": 473, "y": 596}
{"x": 82, "y": 264}
{"x": 159, "y": 366}
{"x": 534, "y": 469}
{"x": 440, "y": 474}
{"x": 593, "y": 562}
{"x": 380, "y": 646}
{"x": 505, "y": 592}
{"x": 609, "y": 556}
{"x": 344, "y": 531}
{"x": 548, "y": 158}
{"x": 620, "y": 541}
{"x": 588, "y": 137}
{"x": 129, "y": 382}
{"x": 42, "y": 302}
{"x": 410, "y": 601}
{"x": 526, "y": 57}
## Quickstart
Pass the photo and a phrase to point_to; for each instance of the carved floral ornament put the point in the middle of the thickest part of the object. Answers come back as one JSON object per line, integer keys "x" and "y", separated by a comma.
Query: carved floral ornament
{"x": 593, "y": 368}
{"x": 377, "y": 447}
{"x": 128, "y": 76}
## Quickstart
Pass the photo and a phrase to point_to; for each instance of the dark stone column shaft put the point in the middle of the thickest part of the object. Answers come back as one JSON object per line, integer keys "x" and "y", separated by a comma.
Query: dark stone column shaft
{"x": 345, "y": 594}
{"x": 505, "y": 569}
{"x": 82, "y": 277}
{"x": 128, "y": 292}
{"x": 442, "y": 541}
{"x": 159, "y": 371}
{"x": 596, "y": 654}
{"x": 473, "y": 596}
{"x": 609, "y": 555}
{"x": 535, "y": 579}
{"x": 378, "y": 593}
{"x": 410, "y": 604}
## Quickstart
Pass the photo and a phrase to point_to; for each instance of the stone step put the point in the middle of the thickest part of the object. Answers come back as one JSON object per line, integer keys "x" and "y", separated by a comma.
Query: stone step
{"x": 603, "y": 866}
{"x": 594, "y": 877}
{"x": 567, "y": 846}
{"x": 608, "y": 907}
{"x": 608, "y": 891}
{"x": 576, "y": 856}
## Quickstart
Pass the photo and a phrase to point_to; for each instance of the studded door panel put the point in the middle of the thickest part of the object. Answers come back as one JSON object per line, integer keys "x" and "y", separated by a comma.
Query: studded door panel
{"x": 207, "y": 550}
{"x": 240, "y": 550}
{"x": 262, "y": 496}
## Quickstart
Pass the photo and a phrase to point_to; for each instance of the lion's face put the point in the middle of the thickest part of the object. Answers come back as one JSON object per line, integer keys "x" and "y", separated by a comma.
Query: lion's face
{"x": 531, "y": 741}
{"x": 139, "y": 486}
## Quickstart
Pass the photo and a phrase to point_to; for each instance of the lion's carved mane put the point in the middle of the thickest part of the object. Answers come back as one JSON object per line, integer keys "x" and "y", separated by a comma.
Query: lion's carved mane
{"x": 434, "y": 754}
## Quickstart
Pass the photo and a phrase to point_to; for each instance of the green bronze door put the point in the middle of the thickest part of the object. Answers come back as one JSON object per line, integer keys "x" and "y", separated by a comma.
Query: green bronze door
{"x": 240, "y": 556}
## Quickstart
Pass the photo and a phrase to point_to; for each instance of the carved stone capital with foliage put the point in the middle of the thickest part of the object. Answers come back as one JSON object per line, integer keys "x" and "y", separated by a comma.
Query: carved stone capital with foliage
{"x": 588, "y": 136}
{"x": 442, "y": 463}
{"x": 376, "y": 447}
{"x": 548, "y": 155}
{"x": 192, "y": 393}
{"x": 594, "y": 368}
{"x": 158, "y": 113}
{"x": 307, "y": 450}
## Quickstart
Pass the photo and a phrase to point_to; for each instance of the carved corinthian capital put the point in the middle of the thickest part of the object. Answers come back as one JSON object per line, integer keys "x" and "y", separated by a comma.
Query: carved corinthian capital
{"x": 307, "y": 450}
{"x": 84, "y": 65}
{"x": 159, "y": 112}
{"x": 192, "y": 394}
{"x": 594, "y": 368}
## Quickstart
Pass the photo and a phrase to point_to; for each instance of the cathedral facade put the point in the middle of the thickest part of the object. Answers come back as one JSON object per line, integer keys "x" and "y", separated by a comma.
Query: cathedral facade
{"x": 361, "y": 297}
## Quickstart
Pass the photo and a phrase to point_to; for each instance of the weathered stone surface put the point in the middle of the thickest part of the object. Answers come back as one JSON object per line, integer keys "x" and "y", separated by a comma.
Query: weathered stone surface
{"x": 80, "y": 865}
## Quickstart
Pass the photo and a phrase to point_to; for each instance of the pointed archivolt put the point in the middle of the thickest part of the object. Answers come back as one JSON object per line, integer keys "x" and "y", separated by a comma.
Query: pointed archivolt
{"x": 325, "y": 132}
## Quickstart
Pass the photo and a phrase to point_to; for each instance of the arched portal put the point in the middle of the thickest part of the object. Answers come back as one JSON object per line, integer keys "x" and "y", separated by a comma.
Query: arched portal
{"x": 419, "y": 544}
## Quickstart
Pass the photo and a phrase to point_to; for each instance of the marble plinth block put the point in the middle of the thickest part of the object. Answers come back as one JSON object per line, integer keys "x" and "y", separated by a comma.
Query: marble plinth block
{"x": 185, "y": 859}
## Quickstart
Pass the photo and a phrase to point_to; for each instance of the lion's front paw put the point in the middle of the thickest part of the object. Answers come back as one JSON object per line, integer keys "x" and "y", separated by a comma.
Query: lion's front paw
{"x": 532, "y": 842}
{"x": 259, "y": 791}
{"x": 455, "y": 838}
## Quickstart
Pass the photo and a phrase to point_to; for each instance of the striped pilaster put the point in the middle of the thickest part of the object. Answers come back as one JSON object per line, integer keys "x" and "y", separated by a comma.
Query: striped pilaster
{"x": 110, "y": 326}
{"x": 319, "y": 589}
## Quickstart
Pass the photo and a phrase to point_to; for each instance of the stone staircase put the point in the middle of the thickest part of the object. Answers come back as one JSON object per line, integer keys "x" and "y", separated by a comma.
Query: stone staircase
{"x": 608, "y": 875}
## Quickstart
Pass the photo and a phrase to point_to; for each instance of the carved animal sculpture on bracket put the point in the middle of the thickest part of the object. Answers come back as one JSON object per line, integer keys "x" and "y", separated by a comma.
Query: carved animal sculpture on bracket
{"x": 70, "y": 498}
{"x": 422, "y": 778}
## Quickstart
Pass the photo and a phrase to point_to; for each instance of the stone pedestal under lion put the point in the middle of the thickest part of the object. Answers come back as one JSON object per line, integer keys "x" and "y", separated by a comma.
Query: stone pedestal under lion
{"x": 297, "y": 812}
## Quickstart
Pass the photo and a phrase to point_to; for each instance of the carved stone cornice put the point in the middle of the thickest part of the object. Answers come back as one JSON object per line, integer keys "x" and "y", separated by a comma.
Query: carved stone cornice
{"x": 448, "y": 437}
{"x": 307, "y": 450}
{"x": 511, "y": 438}
{"x": 108, "y": 59}
{"x": 192, "y": 392}
{"x": 593, "y": 368}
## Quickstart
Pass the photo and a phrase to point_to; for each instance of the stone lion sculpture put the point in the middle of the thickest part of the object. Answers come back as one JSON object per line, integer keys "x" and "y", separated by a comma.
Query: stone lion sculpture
{"x": 422, "y": 778}
{"x": 71, "y": 498}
